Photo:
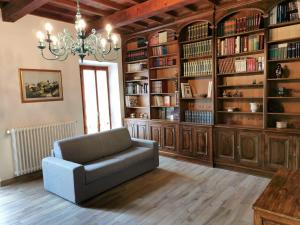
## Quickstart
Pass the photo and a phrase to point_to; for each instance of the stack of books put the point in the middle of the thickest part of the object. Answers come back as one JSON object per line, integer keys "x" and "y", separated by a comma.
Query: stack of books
{"x": 240, "y": 44}
{"x": 162, "y": 37}
{"x": 197, "y": 68}
{"x": 160, "y": 51}
{"x": 159, "y": 87}
{"x": 136, "y": 67}
{"x": 136, "y": 55}
{"x": 285, "y": 51}
{"x": 161, "y": 62}
{"x": 285, "y": 12}
{"x": 203, "y": 117}
{"x": 201, "y": 48}
{"x": 198, "y": 31}
{"x": 241, "y": 65}
{"x": 239, "y": 25}
{"x": 136, "y": 88}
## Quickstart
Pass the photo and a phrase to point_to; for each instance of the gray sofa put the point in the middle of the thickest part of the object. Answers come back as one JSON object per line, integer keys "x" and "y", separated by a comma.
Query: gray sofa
{"x": 85, "y": 166}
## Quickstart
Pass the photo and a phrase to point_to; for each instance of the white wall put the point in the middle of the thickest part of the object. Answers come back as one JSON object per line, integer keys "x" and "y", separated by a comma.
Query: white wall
{"x": 18, "y": 50}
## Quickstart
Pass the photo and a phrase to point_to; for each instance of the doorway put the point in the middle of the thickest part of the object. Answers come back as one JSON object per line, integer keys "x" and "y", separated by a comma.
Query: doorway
{"x": 95, "y": 99}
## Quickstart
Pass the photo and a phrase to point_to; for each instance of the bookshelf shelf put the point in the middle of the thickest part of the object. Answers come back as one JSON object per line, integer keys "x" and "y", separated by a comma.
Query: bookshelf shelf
{"x": 238, "y": 126}
{"x": 142, "y": 71}
{"x": 136, "y": 107}
{"x": 197, "y": 77}
{"x": 162, "y": 56}
{"x": 242, "y": 54}
{"x": 240, "y": 74}
{"x": 284, "y": 79}
{"x": 165, "y": 106}
{"x": 197, "y": 98}
{"x": 243, "y": 33}
{"x": 140, "y": 80}
{"x": 163, "y": 93}
{"x": 164, "y": 78}
{"x": 137, "y": 61}
{"x": 284, "y": 98}
{"x": 196, "y": 40}
{"x": 239, "y": 112}
{"x": 164, "y": 44}
{"x": 197, "y": 57}
{"x": 163, "y": 67}
{"x": 241, "y": 86}
{"x": 240, "y": 98}
{"x": 136, "y": 94}
{"x": 284, "y": 114}
{"x": 284, "y": 40}
{"x": 272, "y": 26}
{"x": 284, "y": 60}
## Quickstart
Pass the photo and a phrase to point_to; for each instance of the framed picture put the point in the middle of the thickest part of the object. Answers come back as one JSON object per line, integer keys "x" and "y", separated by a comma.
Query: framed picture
{"x": 186, "y": 90}
{"x": 40, "y": 85}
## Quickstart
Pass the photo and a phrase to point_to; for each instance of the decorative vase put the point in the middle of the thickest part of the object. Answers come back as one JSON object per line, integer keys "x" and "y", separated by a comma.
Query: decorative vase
{"x": 254, "y": 107}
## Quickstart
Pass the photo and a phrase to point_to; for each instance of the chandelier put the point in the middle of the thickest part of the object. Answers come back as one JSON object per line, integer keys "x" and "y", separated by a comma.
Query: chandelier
{"x": 63, "y": 44}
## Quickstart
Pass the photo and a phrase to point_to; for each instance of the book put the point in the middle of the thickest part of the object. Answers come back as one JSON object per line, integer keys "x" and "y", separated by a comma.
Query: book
{"x": 240, "y": 65}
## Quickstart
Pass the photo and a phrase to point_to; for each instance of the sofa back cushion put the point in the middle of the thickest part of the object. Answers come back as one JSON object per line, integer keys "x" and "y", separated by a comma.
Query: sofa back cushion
{"x": 91, "y": 147}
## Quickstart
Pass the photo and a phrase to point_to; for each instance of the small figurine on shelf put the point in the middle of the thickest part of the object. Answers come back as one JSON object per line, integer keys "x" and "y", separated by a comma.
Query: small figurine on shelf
{"x": 278, "y": 71}
{"x": 145, "y": 116}
{"x": 237, "y": 94}
{"x": 132, "y": 115}
{"x": 225, "y": 94}
{"x": 282, "y": 92}
{"x": 254, "y": 82}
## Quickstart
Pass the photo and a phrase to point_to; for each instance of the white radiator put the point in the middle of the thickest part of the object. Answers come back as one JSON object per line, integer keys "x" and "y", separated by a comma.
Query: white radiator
{"x": 31, "y": 145}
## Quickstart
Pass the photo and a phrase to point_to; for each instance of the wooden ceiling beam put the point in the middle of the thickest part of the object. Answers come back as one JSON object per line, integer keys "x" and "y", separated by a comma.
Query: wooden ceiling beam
{"x": 141, "y": 11}
{"x": 105, "y": 3}
{"x": 16, "y": 9}
{"x": 84, "y": 8}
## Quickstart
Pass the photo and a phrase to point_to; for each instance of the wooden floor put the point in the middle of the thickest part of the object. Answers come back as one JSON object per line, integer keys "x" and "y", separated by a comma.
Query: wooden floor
{"x": 178, "y": 193}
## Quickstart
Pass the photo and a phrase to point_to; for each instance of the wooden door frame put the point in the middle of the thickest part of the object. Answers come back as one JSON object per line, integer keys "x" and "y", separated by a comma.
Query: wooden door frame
{"x": 95, "y": 68}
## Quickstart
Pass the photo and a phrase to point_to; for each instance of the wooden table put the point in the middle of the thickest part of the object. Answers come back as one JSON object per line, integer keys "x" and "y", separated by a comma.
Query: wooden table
{"x": 279, "y": 204}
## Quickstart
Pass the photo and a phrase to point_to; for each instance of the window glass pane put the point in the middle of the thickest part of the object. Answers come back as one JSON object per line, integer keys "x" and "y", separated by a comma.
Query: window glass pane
{"x": 103, "y": 100}
{"x": 90, "y": 98}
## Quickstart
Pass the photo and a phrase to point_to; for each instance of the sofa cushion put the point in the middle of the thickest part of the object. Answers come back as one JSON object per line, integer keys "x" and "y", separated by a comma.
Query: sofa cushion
{"x": 91, "y": 147}
{"x": 112, "y": 164}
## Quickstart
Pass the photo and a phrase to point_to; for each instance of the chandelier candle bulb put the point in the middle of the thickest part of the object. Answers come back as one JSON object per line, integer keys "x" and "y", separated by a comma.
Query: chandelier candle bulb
{"x": 108, "y": 29}
{"x": 48, "y": 28}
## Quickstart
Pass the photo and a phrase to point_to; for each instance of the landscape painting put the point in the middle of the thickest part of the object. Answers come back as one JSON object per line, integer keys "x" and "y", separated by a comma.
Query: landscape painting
{"x": 41, "y": 85}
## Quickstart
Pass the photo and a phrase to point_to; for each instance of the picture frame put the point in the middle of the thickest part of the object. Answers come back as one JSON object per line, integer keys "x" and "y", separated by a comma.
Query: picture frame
{"x": 186, "y": 90}
{"x": 40, "y": 85}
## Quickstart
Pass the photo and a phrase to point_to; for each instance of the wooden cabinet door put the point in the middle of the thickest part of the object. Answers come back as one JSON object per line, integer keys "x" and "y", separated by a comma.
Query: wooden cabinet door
{"x": 249, "y": 148}
{"x": 142, "y": 130}
{"x": 201, "y": 143}
{"x": 278, "y": 151}
{"x": 225, "y": 145}
{"x": 155, "y": 133}
{"x": 170, "y": 137}
{"x": 296, "y": 156}
{"x": 131, "y": 126}
{"x": 186, "y": 140}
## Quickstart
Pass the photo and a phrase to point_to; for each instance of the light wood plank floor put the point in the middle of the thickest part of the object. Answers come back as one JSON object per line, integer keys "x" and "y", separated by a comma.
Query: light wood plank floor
{"x": 178, "y": 193}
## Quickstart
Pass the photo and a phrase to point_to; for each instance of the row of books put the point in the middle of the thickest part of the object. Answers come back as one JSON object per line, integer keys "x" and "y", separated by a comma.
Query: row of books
{"x": 136, "y": 88}
{"x": 285, "y": 12}
{"x": 160, "y": 50}
{"x": 198, "y": 31}
{"x": 140, "y": 43}
{"x": 197, "y": 49}
{"x": 285, "y": 51}
{"x": 159, "y": 100}
{"x": 160, "y": 62}
{"x": 240, "y": 65}
{"x": 136, "y": 67}
{"x": 203, "y": 117}
{"x": 198, "y": 68}
{"x": 159, "y": 87}
{"x": 136, "y": 55}
{"x": 168, "y": 113}
{"x": 240, "y": 44}
{"x": 162, "y": 37}
{"x": 238, "y": 25}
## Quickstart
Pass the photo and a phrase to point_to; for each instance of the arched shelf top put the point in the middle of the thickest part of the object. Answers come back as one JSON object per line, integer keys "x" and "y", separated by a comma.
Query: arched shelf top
{"x": 203, "y": 28}
{"x": 161, "y": 37}
{"x": 242, "y": 12}
{"x": 242, "y": 21}
{"x": 290, "y": 13}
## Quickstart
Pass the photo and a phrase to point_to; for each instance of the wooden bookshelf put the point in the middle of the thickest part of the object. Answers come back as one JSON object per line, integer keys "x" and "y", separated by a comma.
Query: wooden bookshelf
{"x": 164, "y": 74}
{"x": 136, "y": 78}
{"x": 240, "y": 74}
{"x": 197, "y": 53}
{"x": 284, "y": 107}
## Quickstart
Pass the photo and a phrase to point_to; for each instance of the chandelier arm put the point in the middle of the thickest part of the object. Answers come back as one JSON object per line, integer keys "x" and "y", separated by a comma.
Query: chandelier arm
{"x": 57, "y": 58}
{"x": 57, "y": 54}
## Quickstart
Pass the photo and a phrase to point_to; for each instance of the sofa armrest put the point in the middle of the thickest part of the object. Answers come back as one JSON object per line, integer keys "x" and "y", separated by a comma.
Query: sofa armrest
{"x": 63, "y": 178}
{"x": 145, "y": 143}
{"x": 149, "y": 144}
